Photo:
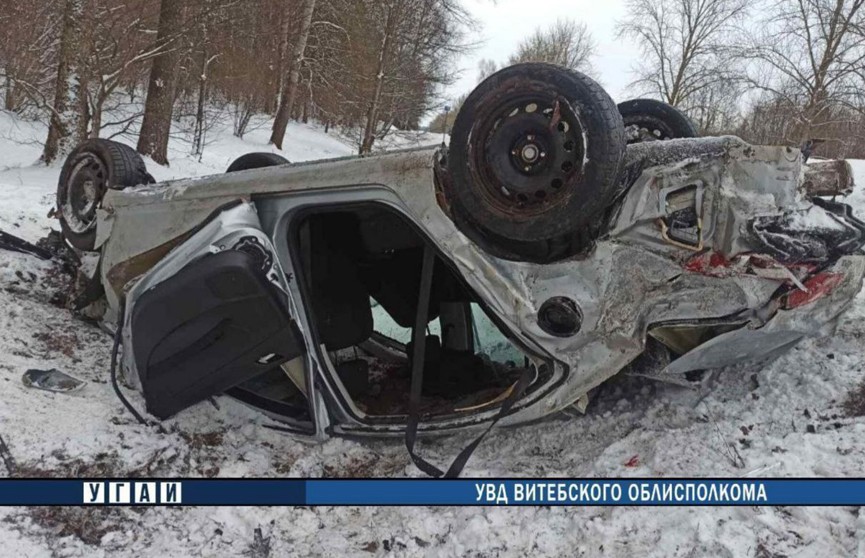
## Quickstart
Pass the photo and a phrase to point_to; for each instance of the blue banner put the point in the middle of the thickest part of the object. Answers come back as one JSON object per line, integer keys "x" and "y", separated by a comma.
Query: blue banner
{"x": 429, "y": 492}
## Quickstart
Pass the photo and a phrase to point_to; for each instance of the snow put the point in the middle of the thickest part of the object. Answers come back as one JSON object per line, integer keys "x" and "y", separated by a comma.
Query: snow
{"x": 24, "y": 183}
{"x": 783, "y": 420}
{"x": 814, "y": 217}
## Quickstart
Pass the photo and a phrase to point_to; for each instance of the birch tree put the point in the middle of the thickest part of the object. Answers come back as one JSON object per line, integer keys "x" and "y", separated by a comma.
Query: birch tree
{"x": 289, "y": 94}
{"x": 64, "y": 128}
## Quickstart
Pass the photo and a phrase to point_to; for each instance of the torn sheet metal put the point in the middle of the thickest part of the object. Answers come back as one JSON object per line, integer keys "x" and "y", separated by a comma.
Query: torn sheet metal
{"x": 691, "y": 239}
{"x": 828, "y": 178}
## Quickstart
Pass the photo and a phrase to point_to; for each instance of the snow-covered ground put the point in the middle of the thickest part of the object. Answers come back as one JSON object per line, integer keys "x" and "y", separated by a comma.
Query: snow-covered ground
{"x": 783, "y": 420}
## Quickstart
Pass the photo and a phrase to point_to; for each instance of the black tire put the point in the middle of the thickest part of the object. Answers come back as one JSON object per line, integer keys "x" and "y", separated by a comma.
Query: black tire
{"x": 256, "y": 161}
{"x": 651, "y": 120}
{"x": 534, "y": 157}
{"x": 88, "y": 172}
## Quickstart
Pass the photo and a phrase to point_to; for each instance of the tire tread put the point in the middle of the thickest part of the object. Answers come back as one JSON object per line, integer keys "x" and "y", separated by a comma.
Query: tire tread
{"x": 125, "y": 167}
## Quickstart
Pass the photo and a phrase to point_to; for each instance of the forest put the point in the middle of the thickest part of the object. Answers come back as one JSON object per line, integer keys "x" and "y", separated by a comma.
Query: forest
{"x": 770, "y": 71}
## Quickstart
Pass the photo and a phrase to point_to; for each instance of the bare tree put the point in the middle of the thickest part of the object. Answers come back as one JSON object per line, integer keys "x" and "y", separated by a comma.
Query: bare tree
{"x": 410, "y": 45}
{"x": 368, "y": 67}
{"x": 156, "y": 125}
{"x": 249, "y": 71}
{"x": 65, "y": 128}
{"x": 206, "y": 55}
{"x": 683, "y": 45}
{"x": 566, "y": 43}
{"x": 28, "y": 63}
{"x": 809, "y": 56}
{"x": 486, "y": 68}
{"x": 393, "y": 13}
{"x": 715, "y": 109}
{"x": 289, "y": 95}
{"x": 116, "y": 46}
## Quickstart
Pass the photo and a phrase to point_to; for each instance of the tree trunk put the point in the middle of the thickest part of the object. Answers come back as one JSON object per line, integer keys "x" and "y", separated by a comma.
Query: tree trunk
{"x": 66, "y": 113}
{"x": 156, "y": 125}
{"x": 198, "y": 134}
{"x": 96, "y": 113}
{"x": 288, "y": 97}
{"x": 282, "y": 60}
{"x": 83, "y": 107}
{"x": 372, "y": 112}
{"x": 9, "y": 99}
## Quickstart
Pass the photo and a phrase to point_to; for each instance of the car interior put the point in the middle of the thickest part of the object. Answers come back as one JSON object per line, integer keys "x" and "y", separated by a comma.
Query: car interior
{"x": 362, "y": 269}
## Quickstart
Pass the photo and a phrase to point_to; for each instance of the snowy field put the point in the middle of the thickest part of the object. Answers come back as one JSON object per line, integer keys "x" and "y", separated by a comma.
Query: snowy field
{"x": 787, "y": 419}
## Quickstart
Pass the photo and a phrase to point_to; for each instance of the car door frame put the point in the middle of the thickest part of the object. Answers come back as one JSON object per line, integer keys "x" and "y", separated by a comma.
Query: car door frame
{"x": 279, "y": 215}
{"x": 219, "y": 233}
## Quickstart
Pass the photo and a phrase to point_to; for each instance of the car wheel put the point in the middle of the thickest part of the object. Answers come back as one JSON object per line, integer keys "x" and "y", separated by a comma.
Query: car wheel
{"x": 256, "y": 161}
{"x": 534, "y": 156}
{"x": 651, "y": 120}
{"x": 89, "y": 171}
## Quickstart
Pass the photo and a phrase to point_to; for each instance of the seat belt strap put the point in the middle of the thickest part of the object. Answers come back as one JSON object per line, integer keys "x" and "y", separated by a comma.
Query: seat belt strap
{"x": 418, "y": 355}
{"x": 419, "y": 349}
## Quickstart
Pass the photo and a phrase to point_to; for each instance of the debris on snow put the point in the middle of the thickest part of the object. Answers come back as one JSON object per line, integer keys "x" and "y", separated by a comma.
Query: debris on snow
{"x": 51, "y": 380}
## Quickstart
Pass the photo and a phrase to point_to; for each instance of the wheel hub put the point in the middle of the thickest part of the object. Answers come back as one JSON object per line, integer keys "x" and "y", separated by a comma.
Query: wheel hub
{"x": 532, "y": 153}
{"x": 85, "y": 187}
{"x": 529, "y": 153}
{"x": 647, "y": 128}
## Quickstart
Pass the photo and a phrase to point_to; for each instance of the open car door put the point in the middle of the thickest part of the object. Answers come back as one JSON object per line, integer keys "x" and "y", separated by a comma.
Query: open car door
{"x": 212, "y": 315}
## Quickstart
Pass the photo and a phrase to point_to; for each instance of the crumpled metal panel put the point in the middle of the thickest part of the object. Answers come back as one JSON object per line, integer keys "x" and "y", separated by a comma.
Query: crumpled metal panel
{"x": 635, "y": 277}
{"x": 785, "y": 329}
{"x": 828, "y": 178}
{"x": 739, "y": 181}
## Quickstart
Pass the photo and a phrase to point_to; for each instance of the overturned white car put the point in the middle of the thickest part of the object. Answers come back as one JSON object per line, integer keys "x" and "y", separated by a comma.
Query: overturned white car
{"x": 436, "y": 289}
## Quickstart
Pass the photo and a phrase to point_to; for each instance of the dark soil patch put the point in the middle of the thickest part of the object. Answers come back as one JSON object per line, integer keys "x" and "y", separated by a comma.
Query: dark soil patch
{"x": 854, "y": 405}
{"x": 89, "y": 524}
{"x": 101, "y": 466}
{"x": 199, "y": 440}
{"x": 65, "y": 342}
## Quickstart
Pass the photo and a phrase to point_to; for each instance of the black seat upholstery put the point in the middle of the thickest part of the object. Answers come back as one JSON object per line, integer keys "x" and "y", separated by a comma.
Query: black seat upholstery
{"x": 340, "y": 300}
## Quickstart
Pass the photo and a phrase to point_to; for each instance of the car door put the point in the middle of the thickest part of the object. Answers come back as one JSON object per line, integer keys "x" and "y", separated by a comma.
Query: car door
{"x": 212, "y": 314}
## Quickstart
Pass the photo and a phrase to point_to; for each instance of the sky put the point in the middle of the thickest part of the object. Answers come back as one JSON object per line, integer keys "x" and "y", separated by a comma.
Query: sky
{"x": 503, "y": 23}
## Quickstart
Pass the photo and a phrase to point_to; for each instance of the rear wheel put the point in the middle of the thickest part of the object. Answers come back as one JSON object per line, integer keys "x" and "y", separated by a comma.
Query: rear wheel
{"x": 651, "y": 120}
{"x": 534, "y": 156}
{"x": 89, "y": 171}
{"x": 256, "y": 161}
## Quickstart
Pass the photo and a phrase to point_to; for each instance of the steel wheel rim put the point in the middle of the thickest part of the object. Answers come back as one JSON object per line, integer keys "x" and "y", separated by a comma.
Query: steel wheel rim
{"x": 527, "y": 152}
{"x": 647, "y": 129}
{"x": 82, "y": 193}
